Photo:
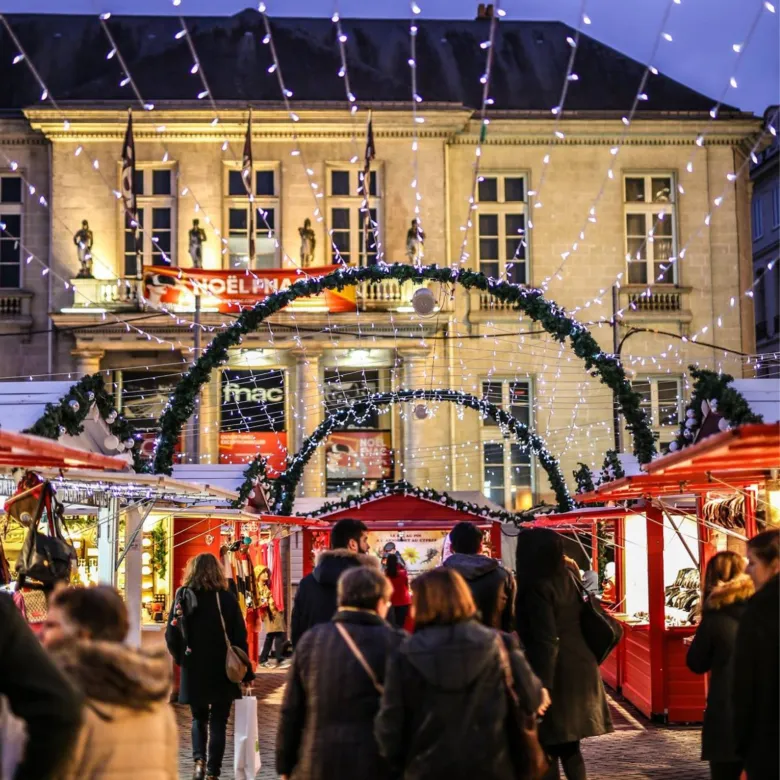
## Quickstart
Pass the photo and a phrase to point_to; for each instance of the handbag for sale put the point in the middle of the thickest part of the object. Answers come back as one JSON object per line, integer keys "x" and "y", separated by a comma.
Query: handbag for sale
{"x": 45, "y": 559}
{"x": 600, "y": 630}
{"x": 528, "y": 757}
{"x": 237, "y": 663}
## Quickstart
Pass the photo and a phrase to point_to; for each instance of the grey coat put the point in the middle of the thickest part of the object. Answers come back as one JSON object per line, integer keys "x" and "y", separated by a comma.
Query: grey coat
{"x": 548, "y": 621}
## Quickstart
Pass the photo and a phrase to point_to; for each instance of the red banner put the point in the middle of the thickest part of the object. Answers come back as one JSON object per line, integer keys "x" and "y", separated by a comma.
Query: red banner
{"x": 359, "y": 455}
{"x": 243, "y": 447}
{"x": 231, "y": 290}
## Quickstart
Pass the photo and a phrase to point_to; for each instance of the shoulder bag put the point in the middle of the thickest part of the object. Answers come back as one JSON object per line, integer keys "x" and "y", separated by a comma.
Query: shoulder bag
{"x": 528, "y": 756}
{"x": 237, "y": 662}
{"x": 600, "y": 630}
{"x": 359, "y": 657}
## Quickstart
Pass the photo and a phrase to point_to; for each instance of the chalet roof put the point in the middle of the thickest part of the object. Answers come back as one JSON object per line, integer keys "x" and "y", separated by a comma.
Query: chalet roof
{"x": 530, "y": 63}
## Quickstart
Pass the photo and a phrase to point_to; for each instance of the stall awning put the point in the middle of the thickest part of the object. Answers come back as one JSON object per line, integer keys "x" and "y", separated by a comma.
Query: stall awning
{"x": 727, "y": 461}
{"x": 584, "y": 517}
{"x": 21, "y": 450}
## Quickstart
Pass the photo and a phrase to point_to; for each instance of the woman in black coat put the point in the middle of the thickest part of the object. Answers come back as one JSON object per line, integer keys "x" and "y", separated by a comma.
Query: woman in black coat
{"x": 726, "y": 592}
{"x": 196, "y": 641}
{"x": 756, "y": 685}
{"x": 326, "y": 726}
{"x": 444, "y": 709}
{"x": 549, "y": 606}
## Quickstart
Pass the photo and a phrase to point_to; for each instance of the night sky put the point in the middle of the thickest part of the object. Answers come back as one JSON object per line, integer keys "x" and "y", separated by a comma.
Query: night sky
{"x": 700, "y": 54}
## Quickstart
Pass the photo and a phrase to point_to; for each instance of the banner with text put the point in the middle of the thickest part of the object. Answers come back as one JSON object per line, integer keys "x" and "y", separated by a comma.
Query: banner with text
{"x": 359, "y": 455}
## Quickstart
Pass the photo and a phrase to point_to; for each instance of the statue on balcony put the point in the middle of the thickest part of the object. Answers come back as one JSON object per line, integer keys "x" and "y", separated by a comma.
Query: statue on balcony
{"x": 197, "y": 239}
{"x": 83, "y": 241}
{"x": 415, "y": 243}
{"x": 308, "y": 244}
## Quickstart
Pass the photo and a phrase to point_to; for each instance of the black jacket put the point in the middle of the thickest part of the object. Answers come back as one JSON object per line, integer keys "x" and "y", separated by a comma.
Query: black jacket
{"x": 444, "y": 709}
{"x": 548, "y": 621}
{"x": 38, "y": 693}
{"x": 712, "y": 650}
{"x": 757, "y": 682}
{"x": 203, "y": 678}
{"x": 492, "y": 586}
{"x": 315, "y": 599}
{"x": 327, "y": 718}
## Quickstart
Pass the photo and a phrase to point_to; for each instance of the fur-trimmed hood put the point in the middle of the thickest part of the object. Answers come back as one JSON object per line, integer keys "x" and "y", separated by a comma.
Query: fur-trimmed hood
{"x": 741, "y": 588}
{"x": 331, "y": 564}
{"x": 114, "y": 673}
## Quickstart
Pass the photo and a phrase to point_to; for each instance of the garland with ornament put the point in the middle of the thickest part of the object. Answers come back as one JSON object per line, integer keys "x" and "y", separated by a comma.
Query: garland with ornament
{"x": 256, "y": 482}
{"x": 69, "y": 414}
{"x": 284, "y": 488}
{"x": 407, "y": 489}
{"x": 712, "y": 395}
{"x": 531, "y": 302}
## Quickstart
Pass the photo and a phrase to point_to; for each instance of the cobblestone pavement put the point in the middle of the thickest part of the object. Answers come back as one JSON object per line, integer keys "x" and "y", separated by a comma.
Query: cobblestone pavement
{"x": 636, "y": 751}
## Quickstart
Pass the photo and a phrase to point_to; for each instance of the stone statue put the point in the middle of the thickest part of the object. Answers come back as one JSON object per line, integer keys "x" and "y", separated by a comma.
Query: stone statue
{"x": 308, "y": 243}
{"x": 83, "y": 241}
{"x": 415, "y": 243}
{"x": 197, "y": 239}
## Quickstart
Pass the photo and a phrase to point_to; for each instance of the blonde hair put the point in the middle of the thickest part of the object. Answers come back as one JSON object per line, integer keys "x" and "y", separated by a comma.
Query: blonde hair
{"x": 441, "y": 597}
{"x": 204, "y": 572}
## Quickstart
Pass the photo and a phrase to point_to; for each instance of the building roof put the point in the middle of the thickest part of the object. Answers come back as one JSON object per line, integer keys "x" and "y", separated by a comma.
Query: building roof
{"x": 530, "y": 63}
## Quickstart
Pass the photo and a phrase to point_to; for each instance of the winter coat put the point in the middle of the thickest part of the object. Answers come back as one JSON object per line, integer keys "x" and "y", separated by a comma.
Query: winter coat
{"x": 38, "y": 693}
{"x": 444, "y": 708}
{"x": 203, "y": 678}
{"x": 757, "y": 683}
{"x": 273, "y": 619}
{"x": 548, "y": 621}
{"x": 315, "y": 599}
{"x": 129, "y": 729}
{"x": 712, "y": 650}
{"x": 401, "y": 596}
{"x": 327, "y": 719}
{"x": 492, "y": 586}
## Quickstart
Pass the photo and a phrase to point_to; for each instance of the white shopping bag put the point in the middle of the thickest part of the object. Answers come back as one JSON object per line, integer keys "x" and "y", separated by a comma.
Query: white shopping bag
{"x": 246, "y": 763}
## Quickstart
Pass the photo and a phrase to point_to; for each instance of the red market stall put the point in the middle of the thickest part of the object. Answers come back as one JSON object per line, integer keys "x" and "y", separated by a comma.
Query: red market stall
{"x": 416, "y": 525}
{"x": 662, "y": 540}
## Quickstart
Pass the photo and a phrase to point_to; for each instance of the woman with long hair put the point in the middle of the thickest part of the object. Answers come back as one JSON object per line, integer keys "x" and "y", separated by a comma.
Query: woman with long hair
{"x": 196, "y": 640}
{"x": 725, "y": 594}
{"x": 444, "y": 709}
{"x": 549, "y": 606}
{"x": 756, "y": 684}
{"x": 128, "y": 727}
{"x": 401, "y": 599}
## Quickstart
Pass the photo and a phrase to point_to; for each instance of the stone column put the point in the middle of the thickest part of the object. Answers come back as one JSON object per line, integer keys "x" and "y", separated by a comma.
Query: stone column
{"x": 413, "y": 467}
{"x": 133, "y": 575}
{"x": 87, "y": 360}
{"x": 309, "y": 410}
{"x": 107, "y": 533}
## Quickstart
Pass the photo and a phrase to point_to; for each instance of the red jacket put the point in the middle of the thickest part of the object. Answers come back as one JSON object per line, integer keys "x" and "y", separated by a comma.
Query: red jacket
{"x": 401, "y": 596}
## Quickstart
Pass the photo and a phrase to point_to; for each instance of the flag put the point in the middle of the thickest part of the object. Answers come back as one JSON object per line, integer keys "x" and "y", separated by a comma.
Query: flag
{"x": 127, "y": 187}
{"x": 246, "y": 176}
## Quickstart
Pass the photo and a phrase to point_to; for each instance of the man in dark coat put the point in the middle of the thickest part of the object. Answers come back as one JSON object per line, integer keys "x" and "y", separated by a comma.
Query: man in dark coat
{"x": 756, "y": 684}
{"x": 492, "y": 586}
{"x": 712, "y": 651}
{"x": 38, "y": 694}
{"x": 315, "y": 600}
{"x": 327, "y": 718}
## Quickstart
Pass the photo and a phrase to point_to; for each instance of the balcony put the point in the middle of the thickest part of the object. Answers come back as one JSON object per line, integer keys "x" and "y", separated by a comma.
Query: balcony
{"x": 108, "y": 294}
{"x": 15, "y": 311}
{"x": 391, "y": 295}
{"x": 656, "y": 303}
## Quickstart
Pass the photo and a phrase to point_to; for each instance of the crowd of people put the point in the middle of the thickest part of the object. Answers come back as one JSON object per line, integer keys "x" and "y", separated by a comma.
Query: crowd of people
{"x": 495, "y": 680}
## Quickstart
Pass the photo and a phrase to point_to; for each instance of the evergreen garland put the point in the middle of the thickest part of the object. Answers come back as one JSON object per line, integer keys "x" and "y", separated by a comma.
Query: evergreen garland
{"x": 69, "y": 414}
{"x": 583, "y": 476}
{"x": 548, "y": 314}
{"x": 284, "y": 488}
{"x": 730, "y": 403}
{"x": 612, "y": 468}
{"x": 255, "y": 473}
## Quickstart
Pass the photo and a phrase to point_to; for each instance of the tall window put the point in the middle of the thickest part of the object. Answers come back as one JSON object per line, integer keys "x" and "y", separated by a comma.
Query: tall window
{"x": 10, "y": 231}
{"x": 651, "y": 237}
{"x": 353, "y": 239}
{"x": 758, "y": 218}
{"x": 507, "y": 475}
{"x": 662, "y": 401}
{"x": 155, "y": 189}
{"x": 759, "y": 304}
{"x": 501, "y": 239}
{"x": 265, "y": 201}
{"x": 776, "y": 207}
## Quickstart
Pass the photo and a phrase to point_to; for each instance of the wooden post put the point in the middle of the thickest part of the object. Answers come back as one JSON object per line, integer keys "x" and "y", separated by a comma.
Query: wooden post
{"x": 751, "y": 529}
{"x": 133, "y": 576}
{"x": 656, "y": 608}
